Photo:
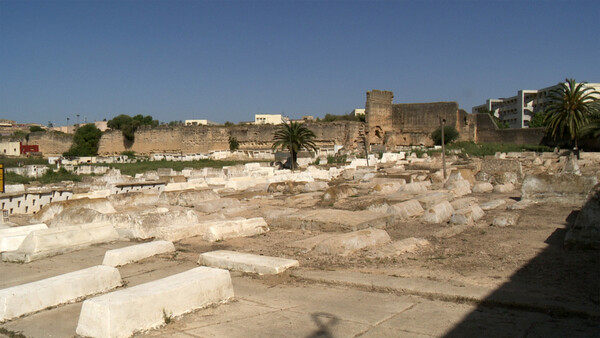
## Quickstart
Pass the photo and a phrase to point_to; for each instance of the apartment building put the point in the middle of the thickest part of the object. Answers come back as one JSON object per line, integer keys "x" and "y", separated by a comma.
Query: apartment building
{"x": 518, "y": 110}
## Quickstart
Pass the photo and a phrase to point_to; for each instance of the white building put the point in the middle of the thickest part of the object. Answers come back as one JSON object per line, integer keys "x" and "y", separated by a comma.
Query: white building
{"x": 358, "y": 112}
{"x": 199, "y": 122}
{"x": 10, "y": 148}
{"x": 268, "y": 119}
{"x": 518, "y": 110}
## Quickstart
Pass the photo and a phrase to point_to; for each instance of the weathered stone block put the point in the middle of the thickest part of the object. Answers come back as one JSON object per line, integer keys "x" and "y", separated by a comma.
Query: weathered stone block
{"x": 134, "y": 253}
{"x": 585, "y": 233}
{"x": 333, "y": 220}
{"x": 239, "y": 261}
{"x": 233, "y": 228}
{"x": 504, "y": 188}
{"x": 403, "y": 246}
{"x": 141, "y": 307}
{"x": 32, "y": 297}
{"x": 565, "y": 189}
{"x": 413, "y": 187}
{"x": 50, "y": 242}
{"x": 438, "y": 213}
{"x": 505, "y": 220}
{"x": 459, "y": 187}
{"x": 12, "y": 237}
{"x": 482, "y": 187}
{"x": 348, "y": 243}
{"x": 496, "y": 167}
{"x": 493, "y": 204}
{"x": 408, "y": 209}
{"x": 187, "y": 198}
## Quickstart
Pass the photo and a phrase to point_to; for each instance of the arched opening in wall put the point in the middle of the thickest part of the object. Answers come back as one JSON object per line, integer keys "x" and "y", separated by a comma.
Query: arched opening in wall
{"x": 378, "y": 135}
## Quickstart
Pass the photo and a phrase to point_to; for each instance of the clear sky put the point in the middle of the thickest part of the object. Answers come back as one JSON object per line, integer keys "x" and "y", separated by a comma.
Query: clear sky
{"x": 228, "y": 60}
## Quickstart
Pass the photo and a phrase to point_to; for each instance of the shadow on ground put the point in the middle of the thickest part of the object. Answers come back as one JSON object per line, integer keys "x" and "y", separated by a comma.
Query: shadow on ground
{"x": 555, "y": 294}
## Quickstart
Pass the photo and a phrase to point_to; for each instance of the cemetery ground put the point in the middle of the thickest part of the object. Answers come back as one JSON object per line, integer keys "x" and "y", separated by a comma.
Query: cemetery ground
{"x": 470, "y": 280}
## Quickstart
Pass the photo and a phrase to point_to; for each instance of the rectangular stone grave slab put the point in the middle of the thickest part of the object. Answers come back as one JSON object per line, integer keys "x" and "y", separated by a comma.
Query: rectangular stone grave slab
{"x": 145, "y": 306}
{"x": 238, "y": 261}
{"x": 134, "y": 253}
{"x": 11, "y": 238}
{"x": 348, "y": 243}
{"x": 233, "y": 228}
{"x": 55, "y": 241}
{"x": 27, "y": 298}
{"x": 333, "y": 220}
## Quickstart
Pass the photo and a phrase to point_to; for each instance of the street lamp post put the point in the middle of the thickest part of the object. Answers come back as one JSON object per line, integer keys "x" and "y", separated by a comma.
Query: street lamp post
{"x": 442, "y": 124}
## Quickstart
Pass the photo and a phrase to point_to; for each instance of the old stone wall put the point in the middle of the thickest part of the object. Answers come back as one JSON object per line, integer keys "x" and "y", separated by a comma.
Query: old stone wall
{"x": 487, "y": 132}
{"x": 51, "y": 143}
{"x": 412, "y": 123}
{"x": 378, "y": 110}
{"x": 181, "y": 139}
{"x": 203, "y": 139}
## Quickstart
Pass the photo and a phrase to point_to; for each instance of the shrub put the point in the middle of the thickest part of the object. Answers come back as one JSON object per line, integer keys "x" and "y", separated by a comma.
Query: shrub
{"x": 450, "y": 134}
{"x": 336, "y": 159}
{"x": 129, "y": 153}
{"x": 233, "y": 144}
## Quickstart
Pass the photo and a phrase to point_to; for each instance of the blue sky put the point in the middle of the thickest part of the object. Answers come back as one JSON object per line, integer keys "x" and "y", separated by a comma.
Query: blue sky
{"x": 228, "y": 60}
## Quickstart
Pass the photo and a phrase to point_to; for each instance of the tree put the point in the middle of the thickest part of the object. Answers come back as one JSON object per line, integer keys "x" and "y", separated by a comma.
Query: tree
{"x": 19, "y": 134}
{"x": 538, "y": 120}
{"x": 293, "y": 137}
{"x": 85, "y": 141}
{"x": 569, "y": 108}
{"x": 233, "y": 144}
{"x": 33, "y": 129}
{"x": 450, "y": 134}
{"x": 592, "y": 129}
{"x": 128, "y": 125}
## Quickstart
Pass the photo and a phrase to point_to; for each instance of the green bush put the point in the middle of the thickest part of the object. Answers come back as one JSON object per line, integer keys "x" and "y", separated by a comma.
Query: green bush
{"x": 336, "y": 159}
{"x": 233, "y": 144}
{"x": 33, "y": 129}
{"x": 484, "y": 149}
{"x": 450, "y": 134}
{"x": 85, "y": 141}
{"x": 129, "y": 153}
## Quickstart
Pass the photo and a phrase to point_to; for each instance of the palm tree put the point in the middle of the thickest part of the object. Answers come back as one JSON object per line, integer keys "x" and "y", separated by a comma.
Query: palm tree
{"x": 569, "y": 108}
{"x": 293, "y": 137}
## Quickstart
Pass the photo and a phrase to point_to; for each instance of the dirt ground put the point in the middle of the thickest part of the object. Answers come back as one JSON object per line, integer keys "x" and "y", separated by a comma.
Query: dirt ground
{"x": 530, "y": 253}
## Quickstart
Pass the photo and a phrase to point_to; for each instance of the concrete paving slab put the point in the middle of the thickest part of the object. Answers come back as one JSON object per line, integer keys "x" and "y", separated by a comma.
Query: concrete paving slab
{"x": 134, "y": 253}
{"x": 239, "y": 261}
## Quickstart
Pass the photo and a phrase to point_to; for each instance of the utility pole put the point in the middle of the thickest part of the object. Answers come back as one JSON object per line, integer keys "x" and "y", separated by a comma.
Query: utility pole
{"x": 366, "y": 138}
{"x": 442, "y": 124}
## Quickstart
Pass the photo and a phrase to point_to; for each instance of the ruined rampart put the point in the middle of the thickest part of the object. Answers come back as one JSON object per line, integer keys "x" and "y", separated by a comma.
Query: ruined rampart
{"x": 487, "y": 132}
{"x": 204, "y": 139}
{"x": 51, "y": 143}
{"x": 412, "y": 123}
{"x": 181, "y": 139}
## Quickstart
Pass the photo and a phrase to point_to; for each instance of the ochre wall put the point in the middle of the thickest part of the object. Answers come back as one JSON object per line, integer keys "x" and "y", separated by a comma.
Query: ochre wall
{"x": 203, "y": 139}
{"x": 182, "y": 139}
{"x": 51, "y": 143}
{"x": 412, "y": 123}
